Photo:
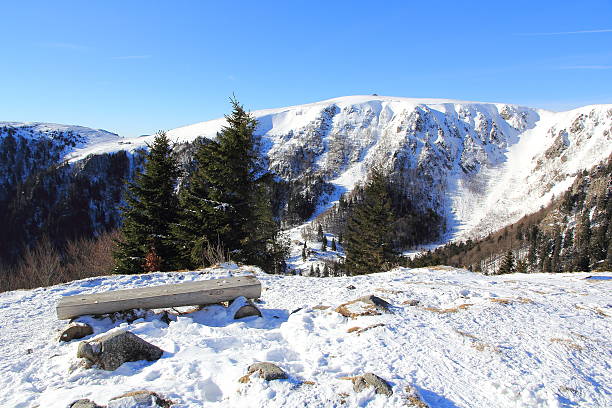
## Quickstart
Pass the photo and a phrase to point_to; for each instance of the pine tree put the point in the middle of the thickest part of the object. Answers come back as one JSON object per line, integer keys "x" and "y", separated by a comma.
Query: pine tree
{"x": 334, "y": 247}
{"x": 311, "y": 270}
{"x": 582, "y": 243}
{"x": 227, "y": 200}
{"x": 326, "y": 271}
{"x": 152, "y": 208}
{"x": 320, "y": 234}
{"x": 507, "y": 265}
{"x": 303, "y": 254}
{"x": 324, "y": 244}
{"x": 367, "y": 238}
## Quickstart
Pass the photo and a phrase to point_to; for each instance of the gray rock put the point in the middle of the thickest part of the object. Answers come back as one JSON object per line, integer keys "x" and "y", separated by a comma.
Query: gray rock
{"x": 84, "y": 403}
{"x": 75, "y": 330}
{"x": 242, "y": 307}
{"x": 362, "y": 382}
{"x": 139, "y": 399}
{"x": 110, "y": 351}
{"x": 267, "y": 371}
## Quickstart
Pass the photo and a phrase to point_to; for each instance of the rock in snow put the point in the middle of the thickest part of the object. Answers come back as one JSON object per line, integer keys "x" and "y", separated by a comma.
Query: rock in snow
{"x": 76, "y": 330}
{"x": 110, "y": 351}
{"x": 84, "y": 403}
{"x": 267, "y": 371}
{"x": 380, "y": 386}
{"x": 242, "y": 307}
{"x": 139, "y": 399}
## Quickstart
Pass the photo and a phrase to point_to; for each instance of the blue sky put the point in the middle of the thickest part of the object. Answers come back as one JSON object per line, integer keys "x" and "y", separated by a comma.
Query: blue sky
{"x": 134, "y": 67}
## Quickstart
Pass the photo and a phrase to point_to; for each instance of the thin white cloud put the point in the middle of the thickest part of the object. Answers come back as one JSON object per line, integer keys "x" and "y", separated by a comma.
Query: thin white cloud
{"x": 231, "y": 77}
{"x": 131, "y": 57}
{"x": 64, "y": 45}
{"x": 605, "y": 30}
{"x": 588, "y": 67}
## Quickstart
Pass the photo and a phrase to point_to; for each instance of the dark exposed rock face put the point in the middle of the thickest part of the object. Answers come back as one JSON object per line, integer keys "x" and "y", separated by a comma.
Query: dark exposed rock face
{"x": 110, "y": 351}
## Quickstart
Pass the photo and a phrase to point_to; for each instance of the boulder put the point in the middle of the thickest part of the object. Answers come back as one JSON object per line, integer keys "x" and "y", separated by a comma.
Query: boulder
{"x": 364, "y": 306}
{"x": 380, "y": 386}
{"x": 75, "y": 330}
{"x": 84, "y": 403}
{"x": 139, "y": 399}
{"x": 267, "y": 371}
{"x": 242, "y": 307}
{"x": 110, "y": 351}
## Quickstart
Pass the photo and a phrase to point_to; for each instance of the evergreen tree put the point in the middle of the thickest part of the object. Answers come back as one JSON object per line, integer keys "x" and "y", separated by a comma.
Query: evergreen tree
{"x": 367, "y": 238}
{"x": 555, "y": 262}
{"x": 582, "y": 243}
{"x": 228, "y": 200}
{"x": 324, "y": 244}
{"x": 507, "y": 265}
{"x": 320, "y": 235}
{"x": 303, "y": 254}
{"x": 334, "y": 247}
{"x": 311, "y": 270}
{"x": 326, "y": 271}
{"x": 152, "y": 208}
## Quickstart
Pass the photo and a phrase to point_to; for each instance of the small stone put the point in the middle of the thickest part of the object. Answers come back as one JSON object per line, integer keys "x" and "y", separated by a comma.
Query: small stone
{"x": 139, "y": 399}
{"x": 75, "y": 330}
{"x": 84, "y": 403}
{"x": 362, "y": 382}
{"x": 411, "y": 302}
{"x": 351, "y": 287}
{"x": 267, "y": 371}
{"x": 110, "y": 351}
{"x": 242, "y": 307}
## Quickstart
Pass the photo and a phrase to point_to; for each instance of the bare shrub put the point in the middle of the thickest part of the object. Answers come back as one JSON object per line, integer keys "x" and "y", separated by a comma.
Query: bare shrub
{"x": 215, "y": 254}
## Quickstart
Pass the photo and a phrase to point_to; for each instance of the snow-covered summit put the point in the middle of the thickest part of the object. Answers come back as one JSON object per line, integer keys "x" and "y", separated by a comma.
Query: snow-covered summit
{"x": 480, "y": 165}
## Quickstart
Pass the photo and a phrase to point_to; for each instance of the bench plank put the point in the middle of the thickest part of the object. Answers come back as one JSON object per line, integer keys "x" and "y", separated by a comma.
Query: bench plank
{"x": 157, "y": 297}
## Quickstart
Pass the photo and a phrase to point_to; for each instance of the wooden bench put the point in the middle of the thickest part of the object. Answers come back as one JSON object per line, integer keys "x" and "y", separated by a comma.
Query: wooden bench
{"x": 157, "y": 297}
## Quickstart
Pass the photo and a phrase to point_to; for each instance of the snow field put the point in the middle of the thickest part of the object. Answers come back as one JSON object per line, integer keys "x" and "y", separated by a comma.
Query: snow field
{"x": 536, "y": 340}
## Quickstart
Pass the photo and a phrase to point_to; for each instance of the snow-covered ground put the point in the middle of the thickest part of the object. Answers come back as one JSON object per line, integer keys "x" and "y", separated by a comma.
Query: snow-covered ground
{"x": 472, "y": 341}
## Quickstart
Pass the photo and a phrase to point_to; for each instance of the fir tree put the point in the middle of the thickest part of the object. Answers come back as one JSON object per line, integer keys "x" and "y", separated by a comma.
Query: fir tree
{"x": 228, "y": 199}
{"x": 326, "y": 271}
{"x": 507, "y": 265}
{"x": 152, "y": 208}
{"x": 320, "y": 234}
{"x": 334, "y": 247}
{"x": 303, "y": 254}
{"x": 367, "y": 238}
{"x": 324, "y": 244}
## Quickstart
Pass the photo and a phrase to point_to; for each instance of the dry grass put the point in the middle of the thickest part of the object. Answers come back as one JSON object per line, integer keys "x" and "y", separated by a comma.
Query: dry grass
{"x": 390, "y": 291}
{"x": 501, "y": 301}
{"x": 592, "y": 309}
{"x": 506, "y": 301}
{"x": 464, "y": 334}
{"x": 308, "y": 383}
{"x": 411, "y": 302}
{"x": 321, "y": 307}
{"x": 568, "y": 343}
{"x": 359, "y": 330}
{"x": 449, "y": 310}
{"x": 440, "y": 268}
{"x": 413, "y": 399}
{"x": 484, "y": 347}
{"x": 245, "y": 379}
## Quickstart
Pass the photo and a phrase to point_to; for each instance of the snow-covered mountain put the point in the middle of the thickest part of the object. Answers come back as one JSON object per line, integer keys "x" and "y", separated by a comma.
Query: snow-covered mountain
{"x": 480, "y": 165}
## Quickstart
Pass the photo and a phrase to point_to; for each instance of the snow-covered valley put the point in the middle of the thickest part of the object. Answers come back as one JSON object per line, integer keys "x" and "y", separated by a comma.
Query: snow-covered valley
{"x": 460, "y": 339}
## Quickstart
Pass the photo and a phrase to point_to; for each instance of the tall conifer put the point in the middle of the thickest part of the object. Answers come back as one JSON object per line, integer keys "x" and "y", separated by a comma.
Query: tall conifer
{"x": 367, "y": 240}
{"x": 151, "y": 209}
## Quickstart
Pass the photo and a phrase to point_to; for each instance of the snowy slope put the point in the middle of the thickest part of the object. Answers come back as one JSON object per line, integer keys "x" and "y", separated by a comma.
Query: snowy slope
{"x": 534, "y": 340}
{"x": 82, "y": 137}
